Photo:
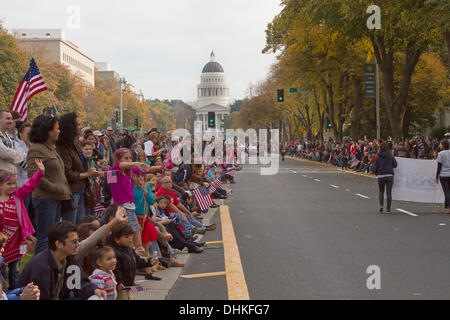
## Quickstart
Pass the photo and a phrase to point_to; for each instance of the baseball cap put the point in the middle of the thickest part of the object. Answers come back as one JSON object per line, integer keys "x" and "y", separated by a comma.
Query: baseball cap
{"x": 98, "y": 133}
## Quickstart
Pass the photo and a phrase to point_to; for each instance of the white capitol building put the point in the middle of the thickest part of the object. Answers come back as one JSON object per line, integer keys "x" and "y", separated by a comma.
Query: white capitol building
{"x": 212, "y": 95}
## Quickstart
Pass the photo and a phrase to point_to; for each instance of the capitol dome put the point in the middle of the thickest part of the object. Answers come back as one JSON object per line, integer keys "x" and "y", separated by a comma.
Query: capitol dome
{"x": 212, "y": 66}
{"x": 212, "y": 94}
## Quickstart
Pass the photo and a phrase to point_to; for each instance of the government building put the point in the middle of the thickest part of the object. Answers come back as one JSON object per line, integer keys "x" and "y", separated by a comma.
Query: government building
{"x": 213, "y": 101}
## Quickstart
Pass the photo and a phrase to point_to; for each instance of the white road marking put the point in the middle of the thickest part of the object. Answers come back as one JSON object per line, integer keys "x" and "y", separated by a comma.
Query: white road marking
{"x": 347, "y": 190}
{"x": 317, "y": 180}
{"x": 332, "y": 185}
{"x": 305, "y": 175}
{"x": 407, "y": 212}
{"x": 442, "y": 224}
{"x": 292, "y": 170}
{"x": 362, "y": 196}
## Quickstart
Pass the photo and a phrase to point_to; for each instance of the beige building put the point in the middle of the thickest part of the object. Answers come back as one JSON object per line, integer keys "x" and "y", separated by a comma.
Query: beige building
{"x": 56, "y": 48}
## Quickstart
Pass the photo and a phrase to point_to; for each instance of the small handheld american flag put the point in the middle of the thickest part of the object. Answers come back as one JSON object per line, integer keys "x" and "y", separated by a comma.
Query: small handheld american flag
{"x": 217, "y": 184}
{"x": 212, "y": 189}
{"x": 111, "y": 176}
{"x": 99, "y": 210}
{"x": 231, "y": 172}
{"x": 203, "y": 198}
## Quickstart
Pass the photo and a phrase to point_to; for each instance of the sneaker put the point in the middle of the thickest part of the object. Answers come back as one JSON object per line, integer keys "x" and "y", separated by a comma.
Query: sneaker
{"x": 150, "y": 276}
{"x": 198, "y": 230}
{"x": 193, "y": 237}
{"x": 194, "y": 249}
{"x": 211, "y": 227}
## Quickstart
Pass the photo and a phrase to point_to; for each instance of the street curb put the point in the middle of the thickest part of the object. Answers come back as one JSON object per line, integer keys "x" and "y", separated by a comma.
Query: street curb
{"x": 331, "y": 166}
{"x": 159, "y": 290}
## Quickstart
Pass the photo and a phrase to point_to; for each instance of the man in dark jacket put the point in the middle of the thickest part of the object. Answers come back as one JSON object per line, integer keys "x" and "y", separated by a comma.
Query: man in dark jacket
{"x": 128, "y": 141}
{"x": 56, "y": 271}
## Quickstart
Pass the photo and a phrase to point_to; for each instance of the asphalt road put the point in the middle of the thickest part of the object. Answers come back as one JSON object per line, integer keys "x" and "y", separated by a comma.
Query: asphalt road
{"x": 306, "y": 234}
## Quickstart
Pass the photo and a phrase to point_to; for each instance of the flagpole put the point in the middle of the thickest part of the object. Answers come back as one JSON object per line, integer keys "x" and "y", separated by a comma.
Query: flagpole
{"x": 54, "y": 106}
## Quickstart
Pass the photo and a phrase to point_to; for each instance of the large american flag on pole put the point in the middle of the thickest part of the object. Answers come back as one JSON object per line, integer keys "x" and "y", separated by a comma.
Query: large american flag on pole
{"x": 203, "y": 198}
{"x": 31, "y": 84}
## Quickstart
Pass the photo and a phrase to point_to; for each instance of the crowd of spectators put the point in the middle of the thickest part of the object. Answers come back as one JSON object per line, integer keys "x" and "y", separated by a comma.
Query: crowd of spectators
{"x": 360, "y": 155}
{"x": 101, "y": 205}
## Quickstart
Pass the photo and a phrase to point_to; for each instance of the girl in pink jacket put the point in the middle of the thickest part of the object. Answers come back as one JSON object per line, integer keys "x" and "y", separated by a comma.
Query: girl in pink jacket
{"x": 14, "y": 220}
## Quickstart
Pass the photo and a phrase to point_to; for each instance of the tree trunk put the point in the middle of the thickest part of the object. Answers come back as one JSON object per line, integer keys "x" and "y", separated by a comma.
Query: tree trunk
{"x": 447, "y": 42}
{"x": 357, "y": 107}
{"x": 396, "y": 104}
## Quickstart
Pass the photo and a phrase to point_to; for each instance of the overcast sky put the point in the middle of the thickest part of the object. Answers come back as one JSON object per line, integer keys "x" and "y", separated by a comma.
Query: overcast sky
{"x": 160, "y": 46}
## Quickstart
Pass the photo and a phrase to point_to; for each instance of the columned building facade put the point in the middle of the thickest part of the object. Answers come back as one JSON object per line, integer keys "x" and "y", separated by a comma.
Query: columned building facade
{"x": 212, "y": 95}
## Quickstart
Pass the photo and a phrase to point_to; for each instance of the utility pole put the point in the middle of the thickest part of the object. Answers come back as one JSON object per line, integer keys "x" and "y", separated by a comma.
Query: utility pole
{"x": 377, "y": 101}
{"x": 122, "y": 81}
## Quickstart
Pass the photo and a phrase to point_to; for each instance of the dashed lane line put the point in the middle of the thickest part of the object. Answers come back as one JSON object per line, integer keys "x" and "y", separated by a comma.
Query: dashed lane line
{"x": 332, "y": 185}
{"x": 407, "y": 212}
{"x": 362, "y": 196}
{"x": 317, "y": 180}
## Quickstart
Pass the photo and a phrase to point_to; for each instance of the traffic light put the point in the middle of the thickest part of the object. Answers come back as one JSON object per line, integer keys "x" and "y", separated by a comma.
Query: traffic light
{"x": 280, "y": 95}
{"x": 136, "y": 122}
{"x": 211, "y": 119}
{"x": 329, "y": 125}
{"x": 116, "y": 116}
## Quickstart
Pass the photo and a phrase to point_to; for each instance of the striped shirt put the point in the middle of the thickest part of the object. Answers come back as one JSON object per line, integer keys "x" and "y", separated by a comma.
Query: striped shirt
{"x": 10, "y": 226}
{"x": 105, "y": 281}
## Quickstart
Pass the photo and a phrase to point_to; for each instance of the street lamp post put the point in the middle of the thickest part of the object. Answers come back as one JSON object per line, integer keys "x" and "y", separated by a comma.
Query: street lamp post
{"x": 122, "y": 81}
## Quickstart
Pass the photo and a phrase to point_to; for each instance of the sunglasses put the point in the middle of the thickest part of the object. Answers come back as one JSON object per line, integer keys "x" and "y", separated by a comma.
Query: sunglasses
{"x": 74, "y": 241}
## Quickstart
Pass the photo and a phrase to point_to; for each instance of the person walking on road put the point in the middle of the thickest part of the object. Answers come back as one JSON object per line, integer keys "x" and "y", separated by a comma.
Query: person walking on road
{"x": 383, "y": 167}
{"x": 443, "y": 172}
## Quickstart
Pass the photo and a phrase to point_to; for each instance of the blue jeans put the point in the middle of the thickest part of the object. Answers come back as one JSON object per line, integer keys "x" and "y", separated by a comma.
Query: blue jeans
{"x": 30, "y": 210}
{"x": 165, "y": 243}
{"x": 48, "y": 212}
{"x": 185, "y": 225}
{"x": 75, "y": 216}
{"x": 194, "y": 222}
{"x": 154, "y": 246}
{"x": 13, "y": 273}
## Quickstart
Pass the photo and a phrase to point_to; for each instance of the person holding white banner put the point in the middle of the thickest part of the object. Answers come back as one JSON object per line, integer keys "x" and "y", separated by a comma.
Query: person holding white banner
{"x": 443, "y": 172}
{"x": 383, "y": 167}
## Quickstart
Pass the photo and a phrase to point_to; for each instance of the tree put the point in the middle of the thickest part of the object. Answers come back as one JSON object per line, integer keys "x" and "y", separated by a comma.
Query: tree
{"x": 13, "y": 66}
{"x": 407, "y": 27}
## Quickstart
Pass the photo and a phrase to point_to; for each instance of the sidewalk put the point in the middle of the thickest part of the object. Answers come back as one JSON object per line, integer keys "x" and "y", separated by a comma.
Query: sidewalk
{"x": 158, "y": 290}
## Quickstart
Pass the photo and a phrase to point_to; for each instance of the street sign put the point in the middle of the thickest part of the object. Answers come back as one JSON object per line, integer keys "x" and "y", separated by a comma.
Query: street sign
{"x": 293, "y": 90}
{"x": 370, "y": 81}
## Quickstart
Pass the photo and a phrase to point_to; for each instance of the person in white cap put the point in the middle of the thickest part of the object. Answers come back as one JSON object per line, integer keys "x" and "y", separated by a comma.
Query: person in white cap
{"x": 447, "y": 136}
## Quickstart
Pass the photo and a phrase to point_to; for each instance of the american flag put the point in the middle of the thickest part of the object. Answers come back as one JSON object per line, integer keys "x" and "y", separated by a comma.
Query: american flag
{"x": 99, "y": 210}
{"x": 111, "y": 176}
{"x": 175, "y": 153}
{"x": 136, "y": 289}
{"x": 203, "y": 198}
{"x": 231, "y": 172}
{"x": 31, "y": 84}
{"x": 212, "y": 189}
{"x": 217, "y": 183}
